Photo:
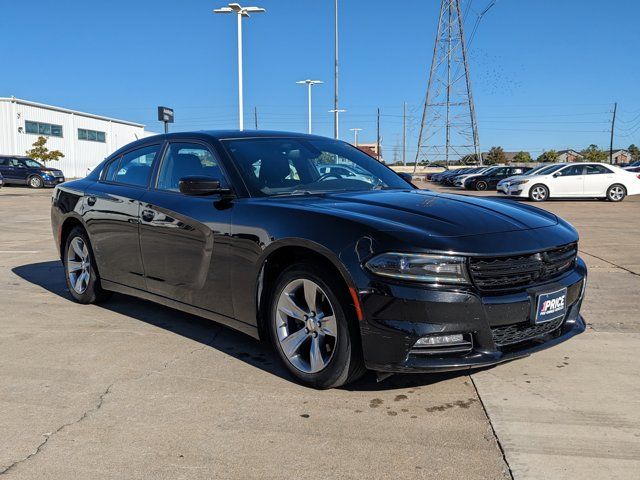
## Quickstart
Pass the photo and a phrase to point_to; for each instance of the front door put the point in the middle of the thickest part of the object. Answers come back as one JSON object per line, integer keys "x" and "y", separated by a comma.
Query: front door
{"x": 113, "y": 218}
{"x": 13, "y": 170}
{"x": 568, "y": 182}
{"x": 184, "y": 239}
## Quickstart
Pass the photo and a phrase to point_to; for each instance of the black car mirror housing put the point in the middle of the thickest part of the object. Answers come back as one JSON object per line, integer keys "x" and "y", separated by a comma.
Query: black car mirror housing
{"x": 199, "y": 185}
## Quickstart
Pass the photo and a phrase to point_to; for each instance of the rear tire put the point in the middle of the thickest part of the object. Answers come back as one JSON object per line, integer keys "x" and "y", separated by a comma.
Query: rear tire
{"x": 317, "y": 339}
{"x": 538, "y": 193}
{"x": 616, "y": 193}
{"x": 80, "y": 269}
{"x": 35, "y": 181}
{"x": 481, "y": 186}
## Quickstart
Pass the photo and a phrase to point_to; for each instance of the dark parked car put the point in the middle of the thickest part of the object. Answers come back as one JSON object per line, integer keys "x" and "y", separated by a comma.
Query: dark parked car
{"x": 340, "y": 274}
{"x": 25, "y": 171}
{"x": 490, "y": 180}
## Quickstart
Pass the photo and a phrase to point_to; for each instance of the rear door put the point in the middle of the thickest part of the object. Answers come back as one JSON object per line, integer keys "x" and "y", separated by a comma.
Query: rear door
{"x": 597, "y": 179}
{"x": 184, "y": 239}
{"x": 113, "y": 215}
{"x": 568, "y": 182}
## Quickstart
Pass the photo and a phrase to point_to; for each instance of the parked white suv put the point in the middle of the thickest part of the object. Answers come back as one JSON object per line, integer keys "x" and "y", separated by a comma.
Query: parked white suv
{"x": 591, "y": 180}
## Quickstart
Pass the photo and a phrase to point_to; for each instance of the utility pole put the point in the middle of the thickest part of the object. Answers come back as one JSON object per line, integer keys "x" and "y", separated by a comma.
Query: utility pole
{"x": 355, "y": 135}
{"x": 309, "y": 84}
{"x": 337, "y": 120}
{"x": 335, "y": 74}
{"x": 404, "y": 134}
{"x": 613, "y": 124}
{"x": 255, "y": 116}
{"x": 378, "y": 137}
{"x": 241, "y": 12}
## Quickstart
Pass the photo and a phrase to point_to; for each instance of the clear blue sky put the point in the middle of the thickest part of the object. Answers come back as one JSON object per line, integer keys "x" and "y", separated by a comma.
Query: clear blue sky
{"x": 545, "y": 72}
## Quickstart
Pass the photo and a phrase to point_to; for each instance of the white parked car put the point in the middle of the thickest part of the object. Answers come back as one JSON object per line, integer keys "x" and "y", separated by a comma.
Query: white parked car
{"x": 460, "y": 179}
{"x": 502, "y": 184}
{"x": 590, "y": 180}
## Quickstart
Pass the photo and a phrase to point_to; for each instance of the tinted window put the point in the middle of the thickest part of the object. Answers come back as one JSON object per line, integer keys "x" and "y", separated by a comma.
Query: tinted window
{"x": 111, "y": 170}
{"x": 281, "y": 166}
{"x": 134, "y": 167}
{"x": 597, "y": 170}
{"x": 4, "y": 162}
{"x": 187, "y": 159}
{"x": 571, "y": 171}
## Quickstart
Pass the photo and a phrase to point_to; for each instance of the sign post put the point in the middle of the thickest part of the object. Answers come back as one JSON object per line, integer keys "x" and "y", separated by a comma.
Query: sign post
{"x": 165, "y": 115}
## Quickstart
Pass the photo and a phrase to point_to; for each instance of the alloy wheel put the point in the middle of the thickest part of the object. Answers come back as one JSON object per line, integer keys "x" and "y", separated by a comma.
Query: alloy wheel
{"x": 78, "y": 265}
{"x": 481, "y": 186}
{"x": 616, "y": 193}
{"x": 306, "y": 326}
{"x": 35, "y": 182}
{"x": 538, "y": 193}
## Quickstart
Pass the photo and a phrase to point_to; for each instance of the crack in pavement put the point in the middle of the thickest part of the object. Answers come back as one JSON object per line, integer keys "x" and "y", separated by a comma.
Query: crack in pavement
{"x": 611, "y": 263}
{"x": 493, "y": 430}
{"x": 48, "y": 436}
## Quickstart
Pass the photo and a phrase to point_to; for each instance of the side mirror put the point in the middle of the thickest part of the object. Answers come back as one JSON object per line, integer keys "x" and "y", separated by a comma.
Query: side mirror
{"x": 556, "y": 175}
{"x": 407, "y": 177}
{"x": 198, "y": 185}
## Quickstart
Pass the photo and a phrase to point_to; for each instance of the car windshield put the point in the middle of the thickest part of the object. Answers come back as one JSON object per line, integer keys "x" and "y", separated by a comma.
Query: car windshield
{"x": 549, "y": 169}
{"x": 31, "y": 163}
{"x": 297, "y": 166}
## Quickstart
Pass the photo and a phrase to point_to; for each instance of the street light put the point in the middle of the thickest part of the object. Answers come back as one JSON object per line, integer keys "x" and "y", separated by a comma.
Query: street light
{"x": 336, "y": 114}
{"x": 309, "y": 83}
{"x": 355, "y": 135}
{"x": 240, "y": 12}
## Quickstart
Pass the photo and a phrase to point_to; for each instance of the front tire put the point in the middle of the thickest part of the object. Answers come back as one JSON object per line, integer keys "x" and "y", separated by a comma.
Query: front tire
{"x": 36, "y": 181}
{"x": 616, "y": 193}
{"x": 315, "y": 337}
{"x": 80, "y": 269}
{"x": 538, "y": 193}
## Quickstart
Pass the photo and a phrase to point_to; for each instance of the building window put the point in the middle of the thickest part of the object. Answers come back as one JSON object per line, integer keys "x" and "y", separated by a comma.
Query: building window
{"x": 41, "y": 128}
{"x": 91, "y": 135}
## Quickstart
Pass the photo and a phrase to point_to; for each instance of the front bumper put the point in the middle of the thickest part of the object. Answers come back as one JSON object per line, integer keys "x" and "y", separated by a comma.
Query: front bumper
{"x": 396, "y": 316}
{"x": 52, "y": 181}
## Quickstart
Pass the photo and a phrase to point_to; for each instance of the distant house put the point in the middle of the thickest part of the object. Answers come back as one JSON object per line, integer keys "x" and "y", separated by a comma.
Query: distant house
{"x": 569, "y": 156}
{"x": 370, "y": 149}
{"x": 620, "y": 155}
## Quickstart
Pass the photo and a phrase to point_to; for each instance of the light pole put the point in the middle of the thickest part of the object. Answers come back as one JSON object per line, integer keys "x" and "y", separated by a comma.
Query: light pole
{"x": 240, "y": 12}
{"x": 336, "y": 113}
{"x": 309, "y": 84}
{"x": 355, "y": 135}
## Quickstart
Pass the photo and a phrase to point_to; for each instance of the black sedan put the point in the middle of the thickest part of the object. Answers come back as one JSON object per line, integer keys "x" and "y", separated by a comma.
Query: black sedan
{"x": 18, "y": 170}
{"x": 489, "y": 180}
{"x": 340, "y": 274}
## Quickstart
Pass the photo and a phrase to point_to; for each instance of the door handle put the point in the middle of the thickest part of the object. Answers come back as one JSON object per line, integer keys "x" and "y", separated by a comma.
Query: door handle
{"x": 91, "y": 201}
{"x": 148, "y": 215}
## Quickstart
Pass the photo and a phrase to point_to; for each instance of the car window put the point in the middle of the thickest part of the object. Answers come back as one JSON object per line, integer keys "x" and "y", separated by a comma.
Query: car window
{"x": 498, "y": 172}
{"x": 134, "y": 167}
{"x": 516, "y": 171}
{"x": 31, "y": 163}
{"x": 4, "y": 162}
{"x": 597, "y": 170}
{"x": 571, "y": 171}
{"x": 187, "y": 159}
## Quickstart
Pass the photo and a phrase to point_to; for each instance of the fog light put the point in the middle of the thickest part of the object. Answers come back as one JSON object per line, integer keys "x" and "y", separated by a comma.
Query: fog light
{"x": 440, "y": 339}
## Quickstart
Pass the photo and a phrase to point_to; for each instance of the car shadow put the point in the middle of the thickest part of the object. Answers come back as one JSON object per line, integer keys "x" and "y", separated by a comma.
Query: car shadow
{"x": 50, "y": 276}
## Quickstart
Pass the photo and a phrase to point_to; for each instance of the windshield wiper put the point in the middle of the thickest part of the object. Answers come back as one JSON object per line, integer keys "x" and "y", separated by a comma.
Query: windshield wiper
{"x": 298, "y": 192}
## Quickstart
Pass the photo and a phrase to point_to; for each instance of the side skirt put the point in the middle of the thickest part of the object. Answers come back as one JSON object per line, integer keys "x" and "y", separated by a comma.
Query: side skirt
{"x": 216, "y": 317}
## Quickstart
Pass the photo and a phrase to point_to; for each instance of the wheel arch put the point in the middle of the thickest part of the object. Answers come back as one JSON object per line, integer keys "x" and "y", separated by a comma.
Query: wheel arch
{"x": 65, "y": 229}
{"x": 287, "y": 252}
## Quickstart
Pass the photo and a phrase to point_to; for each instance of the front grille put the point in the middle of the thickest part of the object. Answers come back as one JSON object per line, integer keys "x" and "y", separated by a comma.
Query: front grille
{"x": 502, "y": 273}
{"x": 521, "y": 332}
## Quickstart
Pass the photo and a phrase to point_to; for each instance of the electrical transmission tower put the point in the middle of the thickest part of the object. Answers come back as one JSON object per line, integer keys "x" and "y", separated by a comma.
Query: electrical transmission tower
{"x": 448, "y": 130}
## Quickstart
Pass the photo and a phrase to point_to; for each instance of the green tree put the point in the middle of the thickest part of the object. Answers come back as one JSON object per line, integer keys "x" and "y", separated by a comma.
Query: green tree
{"x": 495, "y": 155}
{"x": 42, "y": 153}
{"x": 522, "y": 157}
{"x": 593, "y": 154}
{"x": 635, "y": 152}
{"x": 548, "y": 156}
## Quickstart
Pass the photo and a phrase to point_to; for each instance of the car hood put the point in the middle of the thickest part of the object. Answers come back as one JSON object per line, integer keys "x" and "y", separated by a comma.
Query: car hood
{"x": 435, "y": 214}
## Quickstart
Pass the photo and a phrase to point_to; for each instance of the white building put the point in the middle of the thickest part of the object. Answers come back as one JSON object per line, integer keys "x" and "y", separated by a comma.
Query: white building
{"x": 84, "y": 138}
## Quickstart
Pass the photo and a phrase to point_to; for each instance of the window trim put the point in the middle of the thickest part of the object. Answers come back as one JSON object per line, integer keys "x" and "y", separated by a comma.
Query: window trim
{"x": 119, "y": 157}
{"x": 606, "y": 172}
{"x": 153, "y": 185}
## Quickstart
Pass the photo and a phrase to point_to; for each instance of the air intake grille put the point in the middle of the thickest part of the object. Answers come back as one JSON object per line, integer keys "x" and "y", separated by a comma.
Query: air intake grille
{"x": 502, "y": 273}
{"x": 521, "y": 332}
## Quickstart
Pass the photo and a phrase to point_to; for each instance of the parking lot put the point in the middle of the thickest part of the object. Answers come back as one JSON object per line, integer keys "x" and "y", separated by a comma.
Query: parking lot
{"x": 130, "y": 389}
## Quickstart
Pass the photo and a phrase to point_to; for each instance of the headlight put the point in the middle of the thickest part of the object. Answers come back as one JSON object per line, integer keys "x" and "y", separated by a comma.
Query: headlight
{"x": 420, "y": 267}
{"x": 519, "y": 182}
